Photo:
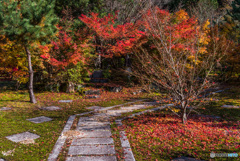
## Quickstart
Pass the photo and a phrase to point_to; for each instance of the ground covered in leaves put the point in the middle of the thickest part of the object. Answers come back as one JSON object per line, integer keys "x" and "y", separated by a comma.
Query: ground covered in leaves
{"x": 162, "y": 136}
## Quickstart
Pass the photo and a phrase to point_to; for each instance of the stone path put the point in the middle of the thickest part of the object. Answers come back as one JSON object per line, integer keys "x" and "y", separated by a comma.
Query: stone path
{"x": 95, "y": 140}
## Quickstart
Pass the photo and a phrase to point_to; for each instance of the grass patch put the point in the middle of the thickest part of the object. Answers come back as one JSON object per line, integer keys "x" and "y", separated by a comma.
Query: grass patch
{"x": 14, "y": 121}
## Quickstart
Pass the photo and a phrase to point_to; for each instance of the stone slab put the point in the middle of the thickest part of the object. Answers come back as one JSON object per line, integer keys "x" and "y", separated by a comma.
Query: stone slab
{"x": 114, "y": 114}
{"x": 65, "y": 101}
{"x": 40, "y": 119}
{"x": 119, "y": 122}
{"x": 94, "y": 108}
{"x": 83, "y": 119}
{"x": 133, "y": 107}
{"x": 21, "y": 137}
{"x": 5, "y": 109}
{"x": 97, "y": 134}
{"x": 92, "y": 141}
{"x": 102, "y": 118}
{"x": 52, "y": 108}
{"x": 149, "y": 103}
{"x": 128, "y": 154}
{"x": 124, "y": 140}
{"x": 92, "y": 128}
{"x": 119, "y": 111}
{"x": 230, "y": 106}
{"x": 91, "y": 150}
{"x": 93, "y": 123}
{"x": 94, "y": 119}
{"x": 185, "y": 159}
{"x": 92, "y": 158}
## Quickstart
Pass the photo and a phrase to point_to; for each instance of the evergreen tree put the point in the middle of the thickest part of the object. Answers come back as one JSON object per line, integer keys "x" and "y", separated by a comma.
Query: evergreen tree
{"x": 28, "y": 21}
{"x": 235, "y": 14}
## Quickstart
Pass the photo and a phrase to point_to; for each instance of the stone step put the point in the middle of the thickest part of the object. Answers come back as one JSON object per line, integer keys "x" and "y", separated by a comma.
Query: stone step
{"x": 92, "y": 158}
{"x": 93, "y": 128}
{"x": 91, "y": 141}
{"x": 91, "y": 150}
{"x": 96, "y": 134}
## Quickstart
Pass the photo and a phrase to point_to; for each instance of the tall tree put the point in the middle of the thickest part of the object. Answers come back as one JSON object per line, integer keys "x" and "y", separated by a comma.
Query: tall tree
{"x": 178, "y": 57}
{"x": 28, "y": 21}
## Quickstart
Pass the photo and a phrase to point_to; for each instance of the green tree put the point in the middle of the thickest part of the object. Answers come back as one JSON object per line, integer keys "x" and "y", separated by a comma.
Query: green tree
{"x": 28, "y": 21}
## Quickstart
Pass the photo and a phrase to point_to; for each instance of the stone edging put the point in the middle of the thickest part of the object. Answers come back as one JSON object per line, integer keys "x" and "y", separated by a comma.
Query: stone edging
{"x": 61, "y": 140}
{"x": 128, "y": 155}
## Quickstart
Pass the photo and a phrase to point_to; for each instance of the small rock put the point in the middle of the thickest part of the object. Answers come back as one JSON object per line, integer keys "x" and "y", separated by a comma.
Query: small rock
{"x": 92, "y": 92}
{"x": 117, "y": 89}
{"x": 7, "y": 153}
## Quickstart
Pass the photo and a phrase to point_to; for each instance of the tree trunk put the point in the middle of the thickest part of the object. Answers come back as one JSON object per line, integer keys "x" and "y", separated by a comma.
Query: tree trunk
{"x": 184, "y": 114}
{"x": 17, "y": 86}
{"x": 184, "y": 117}
{"x": 30, "y": 85}
{"x": 70, "y": 87}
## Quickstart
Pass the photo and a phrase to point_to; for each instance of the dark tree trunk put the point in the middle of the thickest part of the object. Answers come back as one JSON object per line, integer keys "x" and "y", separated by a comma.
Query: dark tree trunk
{"x": 30, "y": 85}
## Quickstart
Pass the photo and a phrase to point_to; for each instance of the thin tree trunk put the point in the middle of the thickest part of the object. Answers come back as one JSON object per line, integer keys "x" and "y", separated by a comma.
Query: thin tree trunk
{"x": 184, "y": 114}
{"x": 30, "y": 86}
{"x": 184, "y": 117}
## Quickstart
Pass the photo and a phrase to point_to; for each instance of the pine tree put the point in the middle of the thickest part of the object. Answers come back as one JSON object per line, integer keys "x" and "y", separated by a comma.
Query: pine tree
{"x": 233, "y": 18}
{"x": 236, "y": 12}
{"x": 28, "y": 21}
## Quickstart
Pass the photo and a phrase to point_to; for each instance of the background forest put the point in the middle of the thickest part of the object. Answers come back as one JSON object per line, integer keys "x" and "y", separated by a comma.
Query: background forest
{"x": 181, "y": 47}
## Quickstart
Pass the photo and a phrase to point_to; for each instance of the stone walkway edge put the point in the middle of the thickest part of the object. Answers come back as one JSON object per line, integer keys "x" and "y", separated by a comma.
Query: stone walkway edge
{"x": 128, "y": 154}
{"x": 61, "y": 140}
